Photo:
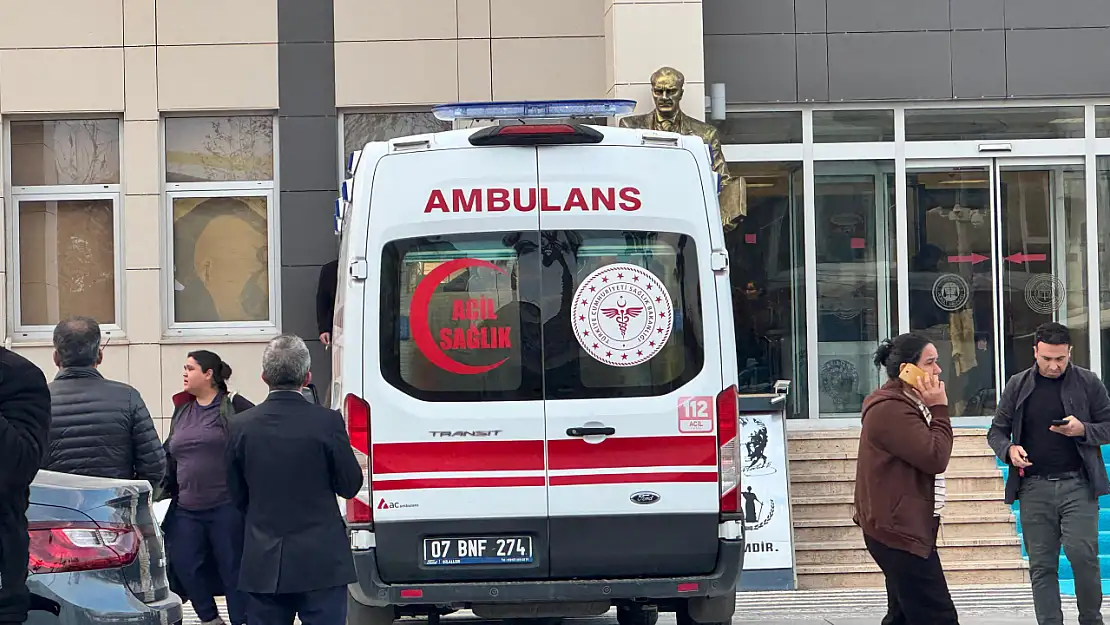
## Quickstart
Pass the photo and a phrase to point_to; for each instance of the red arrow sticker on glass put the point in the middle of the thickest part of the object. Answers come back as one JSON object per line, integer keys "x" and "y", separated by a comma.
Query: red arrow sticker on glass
{"x": 974, "y": 259}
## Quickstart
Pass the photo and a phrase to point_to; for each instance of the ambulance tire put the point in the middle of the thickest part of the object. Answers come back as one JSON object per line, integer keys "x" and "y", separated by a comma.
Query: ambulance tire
{"x": 706, "y": 611}
{"x": 358, "y": 614}
{"x": 637, "y": 615}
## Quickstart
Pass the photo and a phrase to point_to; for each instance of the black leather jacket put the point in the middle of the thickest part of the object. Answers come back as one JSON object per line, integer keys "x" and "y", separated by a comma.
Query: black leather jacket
{"x": 101, "y": 428}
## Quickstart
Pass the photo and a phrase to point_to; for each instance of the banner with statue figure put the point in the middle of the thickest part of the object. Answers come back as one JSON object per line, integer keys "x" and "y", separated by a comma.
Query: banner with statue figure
{"x": 765, "y": 493}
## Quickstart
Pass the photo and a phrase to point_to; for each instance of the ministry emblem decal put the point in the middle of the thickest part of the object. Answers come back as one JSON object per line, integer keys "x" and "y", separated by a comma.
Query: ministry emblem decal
{"x": 951, "y": 292}
{"x": 623, "y": 315}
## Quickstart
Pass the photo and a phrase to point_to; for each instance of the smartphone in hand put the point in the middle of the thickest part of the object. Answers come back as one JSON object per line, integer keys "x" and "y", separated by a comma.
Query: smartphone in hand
{"x": 1059, "y": 422}
{"x": 913, "y": 375}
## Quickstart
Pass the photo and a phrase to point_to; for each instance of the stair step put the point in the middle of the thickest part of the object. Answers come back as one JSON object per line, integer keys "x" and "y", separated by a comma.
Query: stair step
{"x": 868, "y": 575}
{"x": 845, "y": 463}
{"x": 959, "y": 481}
{"x": 951, "y": 550}
{"x": 821, "y": 441}
{"x": 842, "y": 507}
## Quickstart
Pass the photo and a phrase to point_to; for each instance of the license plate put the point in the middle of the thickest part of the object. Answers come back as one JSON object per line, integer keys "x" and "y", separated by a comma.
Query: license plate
{"x": 478, "y": 550}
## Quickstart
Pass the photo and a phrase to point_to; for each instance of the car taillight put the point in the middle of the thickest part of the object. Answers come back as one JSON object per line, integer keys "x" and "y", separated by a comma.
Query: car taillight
{"x": 357, "y": 414}
{"x": 728, "y": 437}
{"x": 536, "y": 134}
{"x": 64, "y": 547}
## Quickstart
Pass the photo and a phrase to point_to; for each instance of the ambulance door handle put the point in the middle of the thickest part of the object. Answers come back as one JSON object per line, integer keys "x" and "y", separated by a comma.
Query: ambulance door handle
{"x": 591, "y": 431}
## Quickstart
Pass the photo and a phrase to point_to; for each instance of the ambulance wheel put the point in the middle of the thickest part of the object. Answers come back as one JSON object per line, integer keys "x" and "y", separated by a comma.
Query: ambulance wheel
{"x": 706, "y": 611}
{"x": 358, "y": 614}
{"x": 637, "y": 615}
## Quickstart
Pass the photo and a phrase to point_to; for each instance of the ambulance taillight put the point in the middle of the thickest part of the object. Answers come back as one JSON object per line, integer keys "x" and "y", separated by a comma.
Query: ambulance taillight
{"x": 356, "y": 412}
{"x": 728, "y": 439}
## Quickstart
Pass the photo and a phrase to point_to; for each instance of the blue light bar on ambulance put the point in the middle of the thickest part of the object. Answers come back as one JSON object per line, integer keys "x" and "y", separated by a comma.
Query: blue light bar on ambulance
{"x": 551, "y": 109}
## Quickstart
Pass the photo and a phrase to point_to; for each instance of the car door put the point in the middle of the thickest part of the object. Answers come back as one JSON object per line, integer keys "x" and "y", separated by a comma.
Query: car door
{"x": 630, "y": 377}
{"x": 457, "y": 425}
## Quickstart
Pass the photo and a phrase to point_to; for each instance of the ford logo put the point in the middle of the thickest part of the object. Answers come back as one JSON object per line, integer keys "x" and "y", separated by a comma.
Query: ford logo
{"x": 644, "y": 497}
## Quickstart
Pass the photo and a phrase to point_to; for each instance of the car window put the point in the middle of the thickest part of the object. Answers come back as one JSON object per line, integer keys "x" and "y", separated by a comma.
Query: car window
{"x": 551, "y": 315}
{"x": 626, "y": 316}
{"x": 455, "y": 325}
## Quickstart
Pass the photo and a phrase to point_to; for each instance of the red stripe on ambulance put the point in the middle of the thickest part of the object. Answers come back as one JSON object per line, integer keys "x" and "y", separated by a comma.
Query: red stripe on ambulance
{"x": 647, "y": 451}
{"x": 563, "y": 454}
{"x": 634, "y": 478}
{"x": 458, "y": 456}
{"x": 459, "y": 482}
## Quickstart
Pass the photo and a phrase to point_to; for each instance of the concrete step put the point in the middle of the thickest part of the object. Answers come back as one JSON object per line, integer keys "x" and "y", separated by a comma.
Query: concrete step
{"x": 970, "y": 481}
{"x": 841, "y": 506}
{"x": 951, "y": 527}
{"x": 951, "y": 550}
{"x": 845, "y": 462}
{"x": 845, "y": 440}
{"x": 1001, "y": 603}
{"x": 868, "y": 575}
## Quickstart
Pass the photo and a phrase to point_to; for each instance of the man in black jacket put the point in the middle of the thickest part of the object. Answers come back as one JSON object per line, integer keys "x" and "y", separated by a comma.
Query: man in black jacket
{"x": 287, "y": 461}
{"x": 24, "y": 421}
{"x": 1051, "y": 423}
{"x": 325, "y": 300}
{"x": 100, "y": 428}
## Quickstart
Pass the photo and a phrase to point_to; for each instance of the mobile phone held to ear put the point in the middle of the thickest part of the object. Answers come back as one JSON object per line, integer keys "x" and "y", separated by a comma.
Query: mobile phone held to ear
{"x": 1059, "y": 422}
{"x": 912, "y": 374}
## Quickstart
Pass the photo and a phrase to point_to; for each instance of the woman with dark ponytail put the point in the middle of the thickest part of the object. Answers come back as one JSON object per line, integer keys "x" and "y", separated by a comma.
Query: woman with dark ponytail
{"x": 203, "y": 528}
{"x": 904, "y": 449}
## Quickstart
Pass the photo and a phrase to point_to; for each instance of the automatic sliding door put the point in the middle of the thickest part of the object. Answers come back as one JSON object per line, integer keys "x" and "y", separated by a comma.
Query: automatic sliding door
{"x": 1043, "y": 258}
{"x": 951, "y": 220}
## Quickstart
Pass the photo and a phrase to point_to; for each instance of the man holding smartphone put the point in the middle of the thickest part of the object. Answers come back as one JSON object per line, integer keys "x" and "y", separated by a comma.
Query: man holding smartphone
{"x": 1049, "y": 426}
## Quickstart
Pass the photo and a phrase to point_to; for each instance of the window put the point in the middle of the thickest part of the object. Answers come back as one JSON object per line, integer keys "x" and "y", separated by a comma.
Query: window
{"x": 65, "y": 177}
{"x": 220, "y": 207}
{"x": 362, "y": 128}
{"x": 767, "y": 272}
{"x": 854, "y": 212}
{"x": 994, "y": 124}
{"x": 760, "y": 127}
{"x": 853, "y": 126}
{"x": 489, "y": 317}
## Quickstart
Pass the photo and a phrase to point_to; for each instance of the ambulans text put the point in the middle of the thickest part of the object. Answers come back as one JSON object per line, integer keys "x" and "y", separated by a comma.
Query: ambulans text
{"x": 498, "y": 200}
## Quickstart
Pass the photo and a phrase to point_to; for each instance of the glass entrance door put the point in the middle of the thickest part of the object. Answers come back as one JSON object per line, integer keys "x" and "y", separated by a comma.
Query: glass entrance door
{"x": 996, "y": 247}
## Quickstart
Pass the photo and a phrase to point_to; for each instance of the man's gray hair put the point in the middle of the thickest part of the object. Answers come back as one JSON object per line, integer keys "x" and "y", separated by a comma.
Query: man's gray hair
{"x": 77, "y": 342}
{"x": 285, "y": 363}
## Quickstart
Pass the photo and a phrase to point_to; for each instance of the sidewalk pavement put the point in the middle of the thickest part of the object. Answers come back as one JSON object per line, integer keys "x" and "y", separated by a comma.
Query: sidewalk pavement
{"x": 979, "y": 605}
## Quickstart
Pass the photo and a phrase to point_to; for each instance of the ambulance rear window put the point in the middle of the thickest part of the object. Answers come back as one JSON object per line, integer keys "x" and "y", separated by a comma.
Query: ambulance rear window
{"x": 452, "y": 324}
{"x": 540, "y": 315}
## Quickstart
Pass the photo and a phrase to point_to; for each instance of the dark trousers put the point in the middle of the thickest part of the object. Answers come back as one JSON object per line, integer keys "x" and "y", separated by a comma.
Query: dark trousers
{"x": 318, "y": 607}
{"x": 214, "y": 533}
{"x": 916, "y": 591}
{"x": 1055, "y": 513}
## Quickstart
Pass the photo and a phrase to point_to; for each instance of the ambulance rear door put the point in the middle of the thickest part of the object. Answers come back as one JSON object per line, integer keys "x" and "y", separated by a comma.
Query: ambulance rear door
{"x": 631, "y": 361}
{"x": 455, "y": 375}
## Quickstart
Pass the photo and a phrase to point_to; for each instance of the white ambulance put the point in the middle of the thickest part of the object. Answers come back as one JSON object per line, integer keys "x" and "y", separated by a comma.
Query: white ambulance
{"x": 534, "y": 353}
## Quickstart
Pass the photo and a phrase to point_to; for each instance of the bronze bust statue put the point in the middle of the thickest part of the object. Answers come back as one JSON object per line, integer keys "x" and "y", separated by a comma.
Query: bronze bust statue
{"x": 666, "y": 90}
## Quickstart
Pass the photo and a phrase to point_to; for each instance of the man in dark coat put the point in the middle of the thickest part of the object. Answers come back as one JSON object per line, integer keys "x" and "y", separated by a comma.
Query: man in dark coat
{"x": 24, "y": 422}
{"x": 325, "y": 300}
{"x": 99, "y": 427}
{"x": 287, "y": 461}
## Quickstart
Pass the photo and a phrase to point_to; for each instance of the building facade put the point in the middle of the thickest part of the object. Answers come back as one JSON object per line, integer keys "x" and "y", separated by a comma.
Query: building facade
{"x": 170, "y": 166}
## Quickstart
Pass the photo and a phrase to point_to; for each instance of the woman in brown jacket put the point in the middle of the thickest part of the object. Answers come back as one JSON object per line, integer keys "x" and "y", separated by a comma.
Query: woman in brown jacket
{"x": 903, "y": 451}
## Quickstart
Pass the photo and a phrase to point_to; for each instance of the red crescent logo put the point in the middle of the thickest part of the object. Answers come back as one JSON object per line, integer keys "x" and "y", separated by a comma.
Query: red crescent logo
{"x": 418, "y": 317}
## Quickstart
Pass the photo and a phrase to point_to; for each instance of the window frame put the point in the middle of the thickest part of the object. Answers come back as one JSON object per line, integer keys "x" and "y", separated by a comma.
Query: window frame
{"x": 52, "y": 193}
{"x": 269, "y": 328}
